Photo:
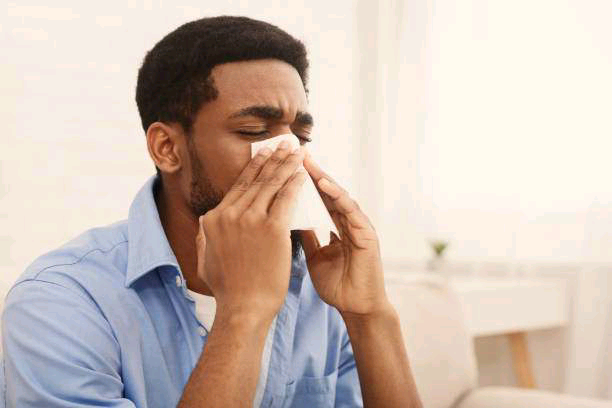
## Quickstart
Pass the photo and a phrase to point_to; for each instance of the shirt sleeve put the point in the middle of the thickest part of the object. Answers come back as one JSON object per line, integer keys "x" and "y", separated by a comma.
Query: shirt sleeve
{"x": 59, "y": 350}
{"x": 348, "y": 389}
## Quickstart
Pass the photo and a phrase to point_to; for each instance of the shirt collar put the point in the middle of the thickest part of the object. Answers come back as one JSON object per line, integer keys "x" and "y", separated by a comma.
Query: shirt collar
{"x": 298, "y": 265}
{"x": 148, "y": 247}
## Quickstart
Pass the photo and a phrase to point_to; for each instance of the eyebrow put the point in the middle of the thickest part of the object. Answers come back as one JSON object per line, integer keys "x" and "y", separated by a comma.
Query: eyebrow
{"x": 272, "y": 112}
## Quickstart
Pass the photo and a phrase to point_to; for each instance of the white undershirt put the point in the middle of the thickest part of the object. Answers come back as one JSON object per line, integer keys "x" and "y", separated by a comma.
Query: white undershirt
{"x": 205, "y": 307}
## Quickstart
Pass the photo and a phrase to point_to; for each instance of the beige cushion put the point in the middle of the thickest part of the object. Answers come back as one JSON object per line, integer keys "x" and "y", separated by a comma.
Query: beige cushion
{"x": 438, "y": 344}
{"x": 500, "y": 397}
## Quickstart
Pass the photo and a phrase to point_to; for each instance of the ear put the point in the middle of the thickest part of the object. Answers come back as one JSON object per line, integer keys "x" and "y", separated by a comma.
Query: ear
{"x": 164, "y": 148}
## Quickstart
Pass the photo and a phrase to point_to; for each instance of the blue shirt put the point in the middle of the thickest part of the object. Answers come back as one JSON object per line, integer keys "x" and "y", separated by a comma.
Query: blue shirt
{"x": 105, "y": 321}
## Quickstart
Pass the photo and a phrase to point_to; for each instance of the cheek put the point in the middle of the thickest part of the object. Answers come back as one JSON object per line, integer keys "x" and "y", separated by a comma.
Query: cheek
{"x": 228, "y": 160}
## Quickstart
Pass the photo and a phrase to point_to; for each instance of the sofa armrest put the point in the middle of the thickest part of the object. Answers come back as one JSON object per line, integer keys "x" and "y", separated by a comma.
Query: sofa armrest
{"x": 506, "y": 397}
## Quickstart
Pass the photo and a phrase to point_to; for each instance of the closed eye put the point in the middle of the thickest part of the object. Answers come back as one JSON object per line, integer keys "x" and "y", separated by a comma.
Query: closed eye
{"x": 266, "y": 133}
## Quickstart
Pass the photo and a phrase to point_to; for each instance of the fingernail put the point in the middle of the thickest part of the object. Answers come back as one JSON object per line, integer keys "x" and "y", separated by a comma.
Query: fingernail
{"x": 283, "y": 145}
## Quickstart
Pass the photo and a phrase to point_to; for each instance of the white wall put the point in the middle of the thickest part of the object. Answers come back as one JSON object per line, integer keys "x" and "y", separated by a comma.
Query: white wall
{"x": 74, "y": 154}
{"x": 513, "y": 163}
{"x": 506, "y": 107}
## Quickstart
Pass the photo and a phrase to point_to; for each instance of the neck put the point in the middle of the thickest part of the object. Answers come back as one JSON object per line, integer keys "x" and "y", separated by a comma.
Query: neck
{"x": 181, "y": 227}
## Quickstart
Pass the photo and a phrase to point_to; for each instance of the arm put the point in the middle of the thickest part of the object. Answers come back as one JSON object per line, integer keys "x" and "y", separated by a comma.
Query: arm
{"x": 235, "y": 345}
{"x": 382, "y": 362}
{"x": 59, "y": 350}
{"x": 248, "y": 276}
{"x": 347, "y": 274}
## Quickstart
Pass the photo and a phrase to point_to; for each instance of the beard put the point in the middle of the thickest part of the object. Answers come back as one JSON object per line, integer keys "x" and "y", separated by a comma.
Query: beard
{"x": 204, "y": 197}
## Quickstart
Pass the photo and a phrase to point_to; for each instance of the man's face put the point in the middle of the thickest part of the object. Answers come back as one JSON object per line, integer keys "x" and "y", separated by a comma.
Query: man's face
{"x": 256, "y": 100}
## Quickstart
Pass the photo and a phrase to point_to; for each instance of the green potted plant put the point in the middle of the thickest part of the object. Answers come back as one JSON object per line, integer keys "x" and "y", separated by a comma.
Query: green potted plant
{"x": 436, "y": 263}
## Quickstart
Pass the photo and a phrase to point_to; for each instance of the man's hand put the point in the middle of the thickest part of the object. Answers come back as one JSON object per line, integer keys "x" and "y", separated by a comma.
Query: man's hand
{"x": 244, "y": 246}
{"x": 347, "y": 273}
{"x": 244, "y": 256}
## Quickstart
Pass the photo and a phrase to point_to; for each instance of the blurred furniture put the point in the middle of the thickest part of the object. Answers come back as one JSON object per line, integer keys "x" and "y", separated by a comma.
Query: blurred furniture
{"x": 439, "y": 344}
{"x": 494, "y": 306}
{"x": 2, "y": 381}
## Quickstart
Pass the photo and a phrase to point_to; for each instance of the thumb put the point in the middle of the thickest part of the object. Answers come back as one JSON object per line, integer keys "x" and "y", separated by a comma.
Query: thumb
{"x": 333, "y": 237}
{"x": 201, "y": 236}
{"x": 200, "y": 245}
{"x": 310, "y": 243}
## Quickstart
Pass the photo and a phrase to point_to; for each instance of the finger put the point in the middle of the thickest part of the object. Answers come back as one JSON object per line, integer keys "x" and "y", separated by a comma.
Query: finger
{"x": 285, "y": 201}
{"x": 310, "y": 243}
{"x": 315, "y": 171}
{"x": 200, "y": 246}
{"x": 244, "y": 181}
{"x": 317, "y": 175}
{"x": 271, "y": 186}
{"x": 266, "y": 174}
{"x": 344, "y": 204}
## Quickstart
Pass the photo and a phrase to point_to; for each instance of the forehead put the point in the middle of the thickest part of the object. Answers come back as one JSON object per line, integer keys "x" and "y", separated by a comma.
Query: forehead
{"x": 258, "y": 82}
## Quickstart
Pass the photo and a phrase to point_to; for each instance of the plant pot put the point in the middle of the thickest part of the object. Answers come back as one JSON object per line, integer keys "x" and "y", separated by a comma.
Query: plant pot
{"x": 436, "y": 264}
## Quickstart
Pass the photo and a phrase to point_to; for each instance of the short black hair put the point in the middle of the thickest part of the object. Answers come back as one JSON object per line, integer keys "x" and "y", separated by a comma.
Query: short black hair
{"x": 174, "y": 79}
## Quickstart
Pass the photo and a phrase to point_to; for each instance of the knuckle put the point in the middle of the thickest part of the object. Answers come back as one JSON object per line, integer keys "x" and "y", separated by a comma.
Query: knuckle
{"x": 275, "y": 226}
{"x": 270, "y": 180}
{"x": 209, "y": 218}
{"x": 294, "y": 158}
{"x": 257, "y": 161}
{"x": 283, "y": 193}
{"x": 263, "y": 179}
{"x": 230, "y": 215}
{"x": 276, "y": 159}
{"x": 199, "y": 239}
{"x": 276, "y": 180}
{"x": 342, "y": 196}
{"x": 292, "y": 164}
{"x": 342, "y": 190}
{"x": 250, "y": 218}
{"x": 210, "y": 222}
{"x": 241, "y": 186}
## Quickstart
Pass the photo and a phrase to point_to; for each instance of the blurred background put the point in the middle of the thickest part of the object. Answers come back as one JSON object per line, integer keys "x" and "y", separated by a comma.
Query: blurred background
{"x": 483, "y": 126}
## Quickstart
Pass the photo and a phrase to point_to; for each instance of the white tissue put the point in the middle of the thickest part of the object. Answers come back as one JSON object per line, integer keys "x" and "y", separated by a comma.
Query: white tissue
{"x": 310, "y": 212}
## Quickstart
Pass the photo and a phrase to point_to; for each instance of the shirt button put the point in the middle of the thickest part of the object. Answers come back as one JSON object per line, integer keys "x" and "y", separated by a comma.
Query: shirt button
{"x": 179, "y": 282}
{"x": 202, "y": 331}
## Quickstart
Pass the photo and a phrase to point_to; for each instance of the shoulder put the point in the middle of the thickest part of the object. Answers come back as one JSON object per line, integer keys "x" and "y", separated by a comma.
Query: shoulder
{"x": 50, "y": 324}
{"x": 96, "y": 257}
{"x": 67, "y": 288}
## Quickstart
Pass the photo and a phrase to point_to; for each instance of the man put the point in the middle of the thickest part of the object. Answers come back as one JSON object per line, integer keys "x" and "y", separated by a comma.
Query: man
{"x": 109, "y": 319}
